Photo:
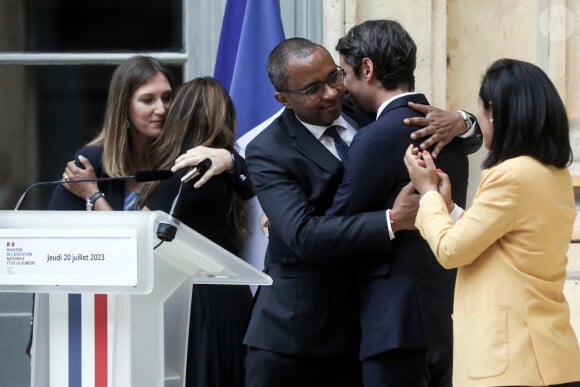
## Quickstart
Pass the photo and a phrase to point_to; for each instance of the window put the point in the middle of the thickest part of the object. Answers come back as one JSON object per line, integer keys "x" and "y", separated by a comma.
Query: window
{"x": 58, "y": 59}
{"x": 96, "y": 26}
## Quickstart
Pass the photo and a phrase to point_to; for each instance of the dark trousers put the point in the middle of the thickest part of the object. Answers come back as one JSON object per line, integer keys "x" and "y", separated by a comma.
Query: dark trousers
{"x": 274, "y": 369}
{"x": 409, "y": 367}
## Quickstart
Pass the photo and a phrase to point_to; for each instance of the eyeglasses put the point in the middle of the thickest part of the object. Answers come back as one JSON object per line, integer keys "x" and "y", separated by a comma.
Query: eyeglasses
{"x": 316, "y": 90}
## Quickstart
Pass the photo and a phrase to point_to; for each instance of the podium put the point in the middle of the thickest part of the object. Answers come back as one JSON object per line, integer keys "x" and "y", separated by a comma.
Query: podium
{"x": 112, "y": 306}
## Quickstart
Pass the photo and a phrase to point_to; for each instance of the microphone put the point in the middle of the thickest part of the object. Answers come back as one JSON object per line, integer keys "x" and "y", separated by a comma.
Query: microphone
{"x": 141, "y": 176}
{"x": 166, "y": 231}
{"x": 197, "y": 171}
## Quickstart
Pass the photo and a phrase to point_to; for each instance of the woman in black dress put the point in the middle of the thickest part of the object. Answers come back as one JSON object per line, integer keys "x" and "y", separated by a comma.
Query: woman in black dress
{"x": 203, "y": 114}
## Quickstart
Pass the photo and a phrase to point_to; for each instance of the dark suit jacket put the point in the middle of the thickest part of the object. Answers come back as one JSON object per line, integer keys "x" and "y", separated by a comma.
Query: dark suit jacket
{"x": 309, "y": 309}
{"x": 405, "y": 296}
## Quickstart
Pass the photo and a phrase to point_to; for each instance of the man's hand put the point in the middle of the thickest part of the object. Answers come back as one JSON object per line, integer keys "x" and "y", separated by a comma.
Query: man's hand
{"x": 265, "y": 225}
{"x": 404, "y": 209}
{"x": 441, "y": 125}
{"x": 221, "y": 161}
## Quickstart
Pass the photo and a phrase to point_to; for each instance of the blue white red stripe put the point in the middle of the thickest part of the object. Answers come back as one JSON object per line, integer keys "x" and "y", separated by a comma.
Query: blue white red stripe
{"x": 80, "y": 338}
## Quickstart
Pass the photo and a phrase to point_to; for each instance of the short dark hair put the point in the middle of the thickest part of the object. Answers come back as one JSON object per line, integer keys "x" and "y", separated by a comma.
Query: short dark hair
{"x": 388, "y": 45}
{"x": 292, "y": 48}
{"x": 529, "y": 117}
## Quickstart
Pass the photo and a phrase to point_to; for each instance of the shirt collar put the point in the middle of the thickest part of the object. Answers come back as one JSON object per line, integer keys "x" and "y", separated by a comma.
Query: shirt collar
{"x": 317, "y": 130}
{"x": 387, "y": 102}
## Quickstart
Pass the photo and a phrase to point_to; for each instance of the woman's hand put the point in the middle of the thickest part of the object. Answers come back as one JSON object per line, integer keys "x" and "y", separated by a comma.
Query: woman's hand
{"x": 445, "y": 190}
{"x": 221, "y": 161}
{"x": 422, "y": 170}
{"x": 426, "y": 177}
{"x": 73, "y": 172}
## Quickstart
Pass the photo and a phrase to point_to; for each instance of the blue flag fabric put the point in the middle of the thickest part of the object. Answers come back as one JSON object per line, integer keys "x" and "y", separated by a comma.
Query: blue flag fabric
{"x": 229, "y": 41}
{"x": 250, "y": 30}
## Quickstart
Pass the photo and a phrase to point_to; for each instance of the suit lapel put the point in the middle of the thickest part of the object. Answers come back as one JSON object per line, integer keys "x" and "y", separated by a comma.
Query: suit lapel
{"x": 309, "y": 146}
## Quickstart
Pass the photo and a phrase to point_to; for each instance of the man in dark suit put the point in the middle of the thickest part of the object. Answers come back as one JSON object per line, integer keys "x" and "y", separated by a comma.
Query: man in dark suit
{"x": 303, "y": 330}
{"x": 405, "y": 297}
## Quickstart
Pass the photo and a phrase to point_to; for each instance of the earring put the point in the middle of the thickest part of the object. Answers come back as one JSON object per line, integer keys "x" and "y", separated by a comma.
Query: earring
{"x": 491, "y": 120}
{"x": 127, "y": 124}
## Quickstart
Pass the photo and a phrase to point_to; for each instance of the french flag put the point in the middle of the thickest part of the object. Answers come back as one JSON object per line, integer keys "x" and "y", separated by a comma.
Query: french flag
{"x": 250, "y": 30}
{"x": 80, "y": 340}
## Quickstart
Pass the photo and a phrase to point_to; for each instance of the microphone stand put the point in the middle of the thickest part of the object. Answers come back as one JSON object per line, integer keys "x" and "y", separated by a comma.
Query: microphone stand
{"x": 42, "y": 183}
{"x": 166, "y": 231}
{"x": 141, "y": 176}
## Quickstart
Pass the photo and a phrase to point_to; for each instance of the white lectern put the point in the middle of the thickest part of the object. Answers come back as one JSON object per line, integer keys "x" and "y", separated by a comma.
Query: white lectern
{"x": 111, "y": 310}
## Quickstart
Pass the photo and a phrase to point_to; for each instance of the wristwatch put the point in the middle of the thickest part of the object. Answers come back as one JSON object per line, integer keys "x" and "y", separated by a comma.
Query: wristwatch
{"x": 93, "y": 198}
{"x": 469, "y": 121}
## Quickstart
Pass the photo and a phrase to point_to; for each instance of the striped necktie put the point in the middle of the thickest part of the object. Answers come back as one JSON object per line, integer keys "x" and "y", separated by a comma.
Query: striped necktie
{"x": 339, "y": 144}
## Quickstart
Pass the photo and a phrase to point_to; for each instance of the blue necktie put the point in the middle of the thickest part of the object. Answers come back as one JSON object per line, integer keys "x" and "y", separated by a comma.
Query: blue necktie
{"x": 339, "y": 144}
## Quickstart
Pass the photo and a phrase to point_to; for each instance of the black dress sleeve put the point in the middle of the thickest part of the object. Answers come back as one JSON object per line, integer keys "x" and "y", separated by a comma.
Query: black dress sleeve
{"x": 205, "y": 210}
{"x": 240, "y": 178}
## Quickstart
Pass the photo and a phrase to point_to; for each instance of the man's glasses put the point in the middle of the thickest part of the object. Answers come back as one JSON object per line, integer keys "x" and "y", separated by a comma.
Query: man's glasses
{"x": 316, "y": 90}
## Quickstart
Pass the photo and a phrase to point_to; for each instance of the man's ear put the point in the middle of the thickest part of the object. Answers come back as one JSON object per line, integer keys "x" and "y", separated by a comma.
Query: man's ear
{"x": 283, "y": 99}
{"x": 367, "y": 69}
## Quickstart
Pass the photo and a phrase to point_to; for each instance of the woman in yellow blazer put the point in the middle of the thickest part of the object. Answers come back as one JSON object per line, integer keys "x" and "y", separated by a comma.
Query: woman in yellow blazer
{"x": 511, "y": 321}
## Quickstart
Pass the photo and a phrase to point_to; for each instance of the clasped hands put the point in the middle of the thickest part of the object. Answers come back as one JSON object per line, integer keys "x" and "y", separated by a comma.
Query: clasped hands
{"x": 425, "y": 177}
